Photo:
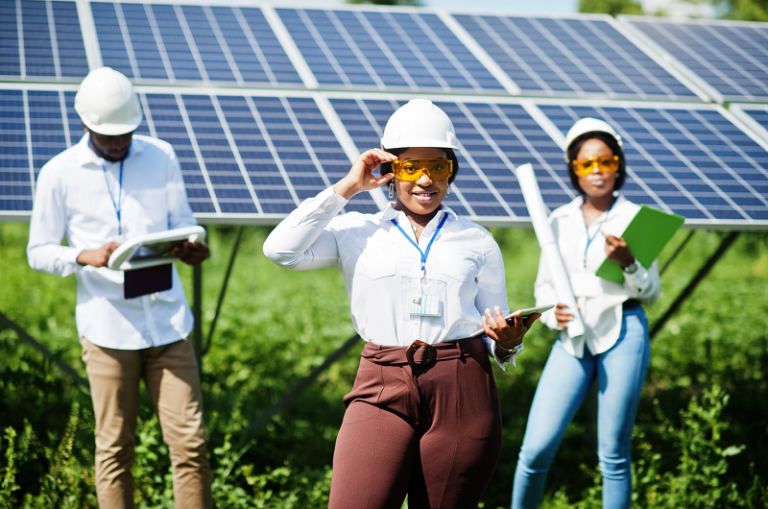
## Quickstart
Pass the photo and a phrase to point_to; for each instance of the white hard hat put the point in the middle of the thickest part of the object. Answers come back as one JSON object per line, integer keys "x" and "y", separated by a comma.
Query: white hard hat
{"x": 589, "y": 125}
{"x": 107, "y": 103}
{"x": 419, "y": 124}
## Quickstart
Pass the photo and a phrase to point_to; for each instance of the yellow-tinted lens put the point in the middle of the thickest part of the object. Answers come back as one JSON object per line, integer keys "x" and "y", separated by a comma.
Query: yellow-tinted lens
{"x": 411, "y": 170}
{"x": 606, "y": 164}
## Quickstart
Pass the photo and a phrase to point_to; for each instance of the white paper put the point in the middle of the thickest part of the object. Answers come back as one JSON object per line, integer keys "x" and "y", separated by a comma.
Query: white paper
{"x": 538, "y": 212}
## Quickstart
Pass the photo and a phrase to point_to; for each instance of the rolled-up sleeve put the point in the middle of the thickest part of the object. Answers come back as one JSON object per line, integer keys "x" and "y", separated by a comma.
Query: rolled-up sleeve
{"x": 302, "y": 241}
{"x": 47, "y": 228}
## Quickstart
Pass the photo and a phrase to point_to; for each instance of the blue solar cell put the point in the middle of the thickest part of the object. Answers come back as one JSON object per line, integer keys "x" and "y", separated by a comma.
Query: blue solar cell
{"x": 732, "y": 58}
{"x": 73, "y": 62}
{"x": 581, "y": 57}
{"x": 53, "y": 52}
{"x": 15, "y": 175}
{"x": 385, "y": 50}
{"x": 197, "y": 43}
{"x": 683, "y": 159}
{"x": 165, "y": 117}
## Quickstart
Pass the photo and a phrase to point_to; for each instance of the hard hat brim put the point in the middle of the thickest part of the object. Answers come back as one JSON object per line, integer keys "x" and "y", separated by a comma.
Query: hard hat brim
{"x": 423, "y": 142}
{"x": 114, "y": 129}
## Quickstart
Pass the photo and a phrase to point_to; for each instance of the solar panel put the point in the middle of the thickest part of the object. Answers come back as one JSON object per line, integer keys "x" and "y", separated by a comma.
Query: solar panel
{"x": 690, "y": 160}
{"x": 729, "y": 58}
{"x": 579, "y": 57}
{"x": 243, "y": 157}
{"x": 494, "y": 138}
{"x": 41, "y": 41}
{"x": 385, "y": 50}
{"x": 186, "y": 43}
{"x": 755, "y": 116}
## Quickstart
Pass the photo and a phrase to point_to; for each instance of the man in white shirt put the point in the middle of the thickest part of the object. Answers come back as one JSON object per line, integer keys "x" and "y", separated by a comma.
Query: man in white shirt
{"x": 111, "y": 187}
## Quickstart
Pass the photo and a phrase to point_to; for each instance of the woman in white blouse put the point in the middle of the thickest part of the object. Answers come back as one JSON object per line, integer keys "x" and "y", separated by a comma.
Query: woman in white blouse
{"x": 423, "y": 416}
{"x": 615, "y": 349}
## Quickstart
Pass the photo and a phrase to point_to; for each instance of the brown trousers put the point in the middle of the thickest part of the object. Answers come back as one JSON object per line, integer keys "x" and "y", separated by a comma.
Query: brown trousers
{"x": 171, "y": 375}
{"x": 433, "y": 432}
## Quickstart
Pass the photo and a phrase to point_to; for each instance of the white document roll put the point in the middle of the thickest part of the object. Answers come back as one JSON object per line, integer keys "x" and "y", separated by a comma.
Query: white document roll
{"x": 538, "y": 213}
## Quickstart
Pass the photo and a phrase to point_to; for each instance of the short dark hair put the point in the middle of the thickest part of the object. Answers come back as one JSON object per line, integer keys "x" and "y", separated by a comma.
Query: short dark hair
{"x": 573, "y": 152}
{"x": 449, "y": 153}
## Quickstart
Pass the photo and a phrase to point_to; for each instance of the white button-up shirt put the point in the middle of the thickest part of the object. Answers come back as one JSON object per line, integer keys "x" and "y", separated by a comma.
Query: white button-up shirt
{"x": 72, "y": 198}
{"x": 382, "y": 269}
{"x": 600, "y": 300}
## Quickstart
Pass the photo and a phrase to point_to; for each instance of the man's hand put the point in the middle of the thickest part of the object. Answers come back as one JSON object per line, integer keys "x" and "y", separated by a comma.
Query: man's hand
{"x": 97, "y": 257}
{"x": 191, "y": 253}
{"x": 616, "y": 250}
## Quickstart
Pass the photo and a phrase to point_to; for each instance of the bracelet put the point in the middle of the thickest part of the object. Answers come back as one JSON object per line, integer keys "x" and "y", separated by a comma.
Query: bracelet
{"x": 513, "y": 350}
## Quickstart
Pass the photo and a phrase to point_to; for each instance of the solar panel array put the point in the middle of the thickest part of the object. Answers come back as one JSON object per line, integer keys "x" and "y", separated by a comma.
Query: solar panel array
{"x": 581, "y": 57}
{"x": 731, "y": 58}
{"x": 266, "y": 107}
{"x": 41, "y": 40}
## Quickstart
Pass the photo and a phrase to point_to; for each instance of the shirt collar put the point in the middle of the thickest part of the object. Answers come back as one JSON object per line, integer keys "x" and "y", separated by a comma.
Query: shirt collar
{"x": 87, "y": 156}
{"x": 390, "y": 212}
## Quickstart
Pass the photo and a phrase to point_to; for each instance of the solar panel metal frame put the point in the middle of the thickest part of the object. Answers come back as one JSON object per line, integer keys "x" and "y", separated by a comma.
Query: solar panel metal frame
{"x": 741, "y": 112}
{"x": 708, "y": 224}
{"x": 630, "y": 34}
{"x": 661, "y": 54}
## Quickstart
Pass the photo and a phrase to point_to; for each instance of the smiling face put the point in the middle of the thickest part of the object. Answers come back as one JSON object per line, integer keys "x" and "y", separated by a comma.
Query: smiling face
{"x": 598, "y": 183}
{"x": 424, "y": 196}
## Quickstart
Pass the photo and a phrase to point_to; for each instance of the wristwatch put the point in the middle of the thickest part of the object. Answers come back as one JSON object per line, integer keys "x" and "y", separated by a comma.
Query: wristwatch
{"x": 631, "y": 268}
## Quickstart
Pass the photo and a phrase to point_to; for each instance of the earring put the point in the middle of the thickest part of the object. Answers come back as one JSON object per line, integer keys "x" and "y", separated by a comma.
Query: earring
{"x": 449, "y": 189}
{"x": 391, "y": 189}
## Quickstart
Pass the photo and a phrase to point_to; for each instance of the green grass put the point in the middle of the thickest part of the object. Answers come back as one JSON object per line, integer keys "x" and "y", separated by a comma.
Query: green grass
{"x": 277, "y": 325}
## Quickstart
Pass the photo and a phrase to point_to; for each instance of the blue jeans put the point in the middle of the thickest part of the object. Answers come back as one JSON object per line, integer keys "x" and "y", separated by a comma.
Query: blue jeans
{"x": 563, "y": 385}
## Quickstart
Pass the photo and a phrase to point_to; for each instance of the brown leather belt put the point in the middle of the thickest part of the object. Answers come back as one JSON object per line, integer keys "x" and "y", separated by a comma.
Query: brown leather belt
{"x": 421, "y": 355}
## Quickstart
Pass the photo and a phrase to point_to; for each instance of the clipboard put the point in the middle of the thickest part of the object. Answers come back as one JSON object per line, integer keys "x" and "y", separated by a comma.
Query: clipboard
{"x": 152, "y": 249}
{"x": 646, "y": 236}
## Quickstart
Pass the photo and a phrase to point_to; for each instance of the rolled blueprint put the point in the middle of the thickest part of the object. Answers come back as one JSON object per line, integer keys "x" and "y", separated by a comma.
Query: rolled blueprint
{"x": 538, "y": 213}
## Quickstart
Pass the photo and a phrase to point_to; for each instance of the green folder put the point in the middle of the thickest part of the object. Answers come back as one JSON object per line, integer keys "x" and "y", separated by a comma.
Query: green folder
{"x": 646, "y": 236}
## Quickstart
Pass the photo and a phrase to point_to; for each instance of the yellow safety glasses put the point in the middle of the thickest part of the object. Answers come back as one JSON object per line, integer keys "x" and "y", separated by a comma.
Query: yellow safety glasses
{"x": 411, "y": 170}
{"x": 605, "y": 164}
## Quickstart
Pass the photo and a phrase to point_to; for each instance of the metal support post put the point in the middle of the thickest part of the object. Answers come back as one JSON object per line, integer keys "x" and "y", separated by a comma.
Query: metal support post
{"x": 267, "y": 415}
{"x": 63, "y": 366}
{"x": 703, "y": 271}
{"x": 197, "y": 312}
{"x": 224, "y": 285}
{"x": 677, "y": 252}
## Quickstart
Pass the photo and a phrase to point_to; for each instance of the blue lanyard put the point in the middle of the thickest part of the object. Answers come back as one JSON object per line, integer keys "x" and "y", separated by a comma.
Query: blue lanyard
{"x": 429, "y": 246}
{"x": 593, "y": 237}
{"x": 119, "y": 204}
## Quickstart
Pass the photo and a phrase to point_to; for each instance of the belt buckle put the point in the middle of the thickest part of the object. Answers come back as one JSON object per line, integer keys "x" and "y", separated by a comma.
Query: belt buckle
{"x": 432, "y": 353}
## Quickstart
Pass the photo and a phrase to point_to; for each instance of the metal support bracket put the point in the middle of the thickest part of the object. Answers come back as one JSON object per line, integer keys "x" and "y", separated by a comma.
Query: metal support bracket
{"x": 63, "y": 366}
{"x": 300, "y": 387}
{"x": 223, "y": 291}
{"x": 698, "y": 278}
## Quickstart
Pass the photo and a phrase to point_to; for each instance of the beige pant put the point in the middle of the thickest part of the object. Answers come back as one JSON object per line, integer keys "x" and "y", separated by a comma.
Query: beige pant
{"x": 171, "y": 375}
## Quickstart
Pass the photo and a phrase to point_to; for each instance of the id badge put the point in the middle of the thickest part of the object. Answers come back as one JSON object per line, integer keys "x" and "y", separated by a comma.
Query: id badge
{"x": 585, "y": 284}
{"x": 424, "y": 304}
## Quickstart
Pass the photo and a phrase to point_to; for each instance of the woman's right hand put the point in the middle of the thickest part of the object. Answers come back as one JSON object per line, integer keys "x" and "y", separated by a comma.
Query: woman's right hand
{"x": 360, "y": 177}
{"x": 562, "y": 315}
